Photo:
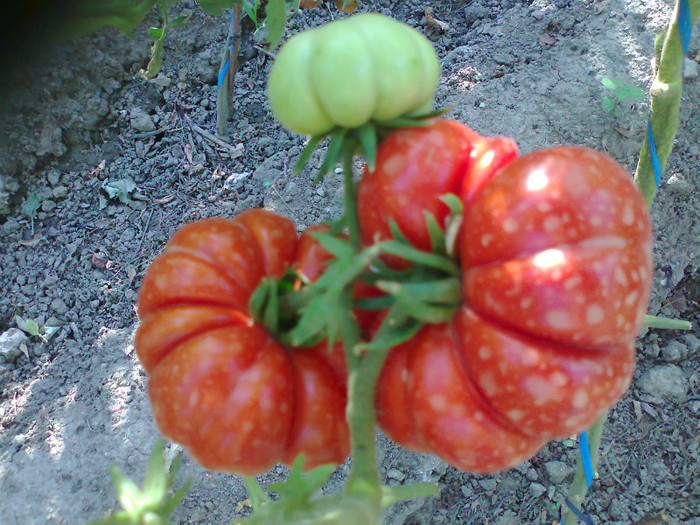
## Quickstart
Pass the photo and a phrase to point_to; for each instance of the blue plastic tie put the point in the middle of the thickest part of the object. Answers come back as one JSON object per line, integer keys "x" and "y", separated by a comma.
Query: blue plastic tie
{"x": 656, "y": 164}
{"x": 586, "y": 458}
{"x": 227, "y": 65}
{"x": 684, "y": 25}
{"x": 579, "y": 514}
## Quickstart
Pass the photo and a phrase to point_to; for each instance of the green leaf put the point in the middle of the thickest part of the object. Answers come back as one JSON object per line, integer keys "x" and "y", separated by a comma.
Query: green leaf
{"x": 340, "y": 248}
{"x": 155, "y": 32}
{"x": 87, "y": 16}
{"x": 611, "y": 83}
{"x": 248, "y": 10}
{"x": 32, "y": 327}
{"x": 154, "y": 65}
{"x": 173, "y": 501}
{"x": 180, "y": 21}
{"x": 626, "y": 92}
{"x": 396, "y": 232}
{"x": 391, "y": 495}
{"x": 437, "y": 236}
{"x": 128, "y": 493}
{"x": 276, "y": 20}
{"x": 608, "y": 104}
{"x": 299, "y": 486}
{"x": 31, "y": 205}
{"x": 156, "y": 483}
{"x": 367, "y": 136}
{"x": 306, "y": 152}
{"x": 333, "y": 153}
{"x": 216, "y": 7}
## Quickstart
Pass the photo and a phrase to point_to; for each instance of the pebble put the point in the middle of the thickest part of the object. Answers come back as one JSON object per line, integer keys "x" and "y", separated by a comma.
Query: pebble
{"x": 537, "y": 489}
{"x": 395, "y": 474}
{"x": 665, "y": 381}
{"x": 674, "y": 351}
{"x": 690, "y": 69}
{"x": 558, "y": 471}
{"x": 141, "y": 121}
{"x": 60, "y": 192}
{"x": 488, "y": 484}
{"x": 10, "y": 342}
{"x": 59, "y": 306}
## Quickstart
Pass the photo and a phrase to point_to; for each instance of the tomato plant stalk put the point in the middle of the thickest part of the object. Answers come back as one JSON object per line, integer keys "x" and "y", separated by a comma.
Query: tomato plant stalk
{"x": 665, "y": 100}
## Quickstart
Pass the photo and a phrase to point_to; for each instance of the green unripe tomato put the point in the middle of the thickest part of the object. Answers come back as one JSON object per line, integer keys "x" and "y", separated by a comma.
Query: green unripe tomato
{"x": 350, "y": 71}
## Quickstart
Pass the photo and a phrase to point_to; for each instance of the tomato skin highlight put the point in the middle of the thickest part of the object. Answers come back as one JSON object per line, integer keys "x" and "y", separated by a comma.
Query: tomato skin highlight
{"x": 555, "y": 253}
{"x": 221, "y": 386}
{"x": 367, "y": 66}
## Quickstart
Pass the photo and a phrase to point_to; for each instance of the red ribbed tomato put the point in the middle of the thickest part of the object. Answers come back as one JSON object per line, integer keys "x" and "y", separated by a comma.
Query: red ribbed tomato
{"x": 556, "y": 268}
{"x": 219, "y": 384}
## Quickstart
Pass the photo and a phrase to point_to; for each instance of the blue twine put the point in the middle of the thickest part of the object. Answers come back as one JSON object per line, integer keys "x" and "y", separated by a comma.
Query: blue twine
{"x": 684, "y": 25}
{"x": 656, "y": 164}
{"x": 586, "y": 458}
{"x": 227, "y": 65}
{"x": 579, "y": 514}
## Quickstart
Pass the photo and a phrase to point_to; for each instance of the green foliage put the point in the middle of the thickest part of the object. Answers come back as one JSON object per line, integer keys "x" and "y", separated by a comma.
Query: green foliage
{"x": 88, "y": 15}
{"x": 31, "y": 205}
{"x": 619, "y": 92}
{"x": 151, "y": 504}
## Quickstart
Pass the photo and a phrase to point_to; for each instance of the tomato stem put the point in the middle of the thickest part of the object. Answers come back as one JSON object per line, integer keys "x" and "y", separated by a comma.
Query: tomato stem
{"x": 579, "y": 487}
{"x": 665, "y": 101}
{"x": 352, "y": 220}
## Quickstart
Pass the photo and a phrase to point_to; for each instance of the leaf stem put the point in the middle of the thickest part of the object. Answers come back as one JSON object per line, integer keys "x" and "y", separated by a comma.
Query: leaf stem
{"x": 665, "y": 101}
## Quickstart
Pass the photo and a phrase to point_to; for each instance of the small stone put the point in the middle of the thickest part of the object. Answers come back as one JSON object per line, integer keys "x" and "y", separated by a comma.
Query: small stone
{"x": 488, "y": 484}
{"x": 60, "y": 192}
{"x": 537, "y": 489}
{"x": 508, "y": 518}
{"x": 690, "y": 69}
{"x": 54, "y": 177}
{"x": 558, "y": 471}
{"x": 59, "y": 306}
{"x": 532, "y": 474}
{"x": 48, "y": 206}
{"x": 395, "y": 474}
{"x": 665, "y": 381}
{"x": 692, "y": 342}
{"x": 674, "y": 351}
{"x": 10, "y": 342}
{"x": 141, "y": 121}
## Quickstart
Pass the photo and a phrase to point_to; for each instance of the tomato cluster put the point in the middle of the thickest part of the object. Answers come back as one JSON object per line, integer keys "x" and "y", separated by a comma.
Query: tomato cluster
{"x": 555, "y": 258}
{"x": 219, "y": 383}
{"x": 555, "y": 254}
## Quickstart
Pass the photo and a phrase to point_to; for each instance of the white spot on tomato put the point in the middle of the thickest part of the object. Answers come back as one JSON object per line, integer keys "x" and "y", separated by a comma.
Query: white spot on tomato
{"x": 510, "y": 225}
{"x": 580, "y": 399}
{"x": 632, "y": 298}
{"x": 628, "y": 215}
{"x": 515, "y": 414}
{"x": 486, "y": 239}
{"x": 558, "y": 319}
{"x": 551, "y": 224}
{"x": 438, "y": 402}
{"x": 594, "y": 314}
{"x": 484, "y": 353}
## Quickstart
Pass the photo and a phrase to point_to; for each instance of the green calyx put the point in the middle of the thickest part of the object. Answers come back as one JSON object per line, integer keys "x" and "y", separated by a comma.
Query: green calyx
{"x": 361, "y": 141}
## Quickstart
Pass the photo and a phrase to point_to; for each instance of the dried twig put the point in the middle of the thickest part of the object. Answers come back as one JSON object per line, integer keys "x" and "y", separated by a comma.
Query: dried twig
{"x": 234, "y": 151}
